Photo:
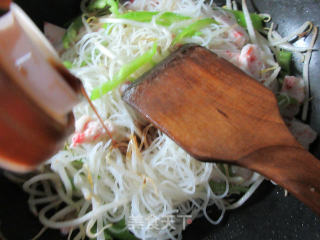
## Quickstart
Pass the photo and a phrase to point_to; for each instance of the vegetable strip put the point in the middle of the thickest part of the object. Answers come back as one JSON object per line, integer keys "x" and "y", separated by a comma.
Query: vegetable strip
{"x": 164, "y": 19}
{"x": 257, "y": 20}
{"x": 71, "y": 33}
{"x": 284, "y": 59}
{"x": 101, "y": 4}
{"x": 192, "y": 29}
{"x": 124, "y": 73}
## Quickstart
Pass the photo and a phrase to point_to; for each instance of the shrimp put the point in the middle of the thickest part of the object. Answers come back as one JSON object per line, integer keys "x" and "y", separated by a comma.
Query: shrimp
{"x": 229, "y": 54}
{"x": 250, "y": 60}
{"x": 89, "y": 130}
{"x": 294, "y": 87}
{"x": 236, "y": 34}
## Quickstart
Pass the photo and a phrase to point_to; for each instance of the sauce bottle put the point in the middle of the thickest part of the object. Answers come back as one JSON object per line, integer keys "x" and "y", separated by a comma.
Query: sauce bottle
{"x": 37, "y": 94}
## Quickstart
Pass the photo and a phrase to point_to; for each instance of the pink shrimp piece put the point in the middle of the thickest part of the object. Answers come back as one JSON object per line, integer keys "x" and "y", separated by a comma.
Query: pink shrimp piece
{"x": 239, "y": 36}
{"x": 231, "y": 56}
{"x": 89, "y": 130}
{"x": 250, "y": 60}
{"x": 294, "y": 87}
{"x": 236, "y": 34}
{"x": 304, "y": 134}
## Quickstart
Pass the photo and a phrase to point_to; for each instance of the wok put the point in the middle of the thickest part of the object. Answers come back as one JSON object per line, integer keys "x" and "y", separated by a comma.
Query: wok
{"x": 269, "y": 214}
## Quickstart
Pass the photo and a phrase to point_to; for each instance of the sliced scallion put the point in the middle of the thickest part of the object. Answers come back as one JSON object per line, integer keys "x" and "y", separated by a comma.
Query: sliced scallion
{"x": 193, "y": 29}
{"x": 164, "y": 19}
{"x": 72, "y": 32}
{"x": 125, "y": 73}
{"x": 257, "y": 20}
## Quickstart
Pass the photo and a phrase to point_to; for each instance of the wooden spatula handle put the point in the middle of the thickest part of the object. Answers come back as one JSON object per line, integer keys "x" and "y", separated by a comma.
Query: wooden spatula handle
{"x": 293, "y": 168}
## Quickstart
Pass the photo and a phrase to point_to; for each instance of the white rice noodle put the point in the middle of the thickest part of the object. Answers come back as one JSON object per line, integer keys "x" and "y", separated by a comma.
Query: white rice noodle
{"x": 305, "y": 74}
{"x": 305, "y": 28}
{"x": 250, "y": 27}
{"x": 247, "y": 195}
{"x": 234, "y": 5}
{"x": 228, "y": 4}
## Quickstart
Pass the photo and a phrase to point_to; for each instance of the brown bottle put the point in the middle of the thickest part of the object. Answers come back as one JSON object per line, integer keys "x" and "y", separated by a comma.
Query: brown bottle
{"x": 37, "y": 95}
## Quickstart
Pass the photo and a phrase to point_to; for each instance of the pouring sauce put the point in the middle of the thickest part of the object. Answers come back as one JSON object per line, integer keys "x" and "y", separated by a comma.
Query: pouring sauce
{"x": 37, "y": 94}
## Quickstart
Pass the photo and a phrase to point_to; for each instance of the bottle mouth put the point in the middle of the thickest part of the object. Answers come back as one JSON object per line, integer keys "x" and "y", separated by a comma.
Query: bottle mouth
{"x": 29, "y": 135}
{"x": 32, "y": 63}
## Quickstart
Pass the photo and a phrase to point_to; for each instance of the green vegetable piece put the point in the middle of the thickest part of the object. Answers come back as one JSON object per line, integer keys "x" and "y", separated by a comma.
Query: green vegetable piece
{"x": 71, "y": 33}
{"x": 117, "y": 231}
{"x": 142, "y": 16}
{"x": 197, "y": 33}
{"x": 98, "y": 4}
{"x": 220, "y": 187}
{"x": 168, "y": 18}
{"x": 165, "y": 19}
{"x": 284, "y": 100}
{"x": 67, "y": 64}
{"x": 66, "y": 147}
{"x": 107, "y": 236}
{"x": 226, "y": 169}
{"x": 114, "y": 7}
{"x": 124, "y": 73}
{"x": 74, "y": 188}
{"x": 217, "y": 187}
{"x": 257, "y": 20}
{"x": 101, "y": 4}
{"x": 193, "y": 29}
{"x": 83, "y": 64}
{"x": 77, "y": 163}
{"x": 284, "y": 59}
{"x": 105, "y": 25}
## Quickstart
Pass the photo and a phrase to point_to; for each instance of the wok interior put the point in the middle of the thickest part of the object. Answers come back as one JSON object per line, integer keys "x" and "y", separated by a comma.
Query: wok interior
{"x": 267, "y": 215}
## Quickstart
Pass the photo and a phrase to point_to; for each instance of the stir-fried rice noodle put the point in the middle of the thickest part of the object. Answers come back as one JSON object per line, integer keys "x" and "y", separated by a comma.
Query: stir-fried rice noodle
{"x": 147, "y": 178}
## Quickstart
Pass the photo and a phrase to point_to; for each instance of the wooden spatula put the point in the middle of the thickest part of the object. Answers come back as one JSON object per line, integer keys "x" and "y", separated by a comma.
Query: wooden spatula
{"x": 217, "y": 113}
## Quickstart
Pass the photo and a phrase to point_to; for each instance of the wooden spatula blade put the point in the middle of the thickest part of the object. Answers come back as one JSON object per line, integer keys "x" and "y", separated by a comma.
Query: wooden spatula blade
{"x": 208, "y": 106}
{"x": 218, "y": 113}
